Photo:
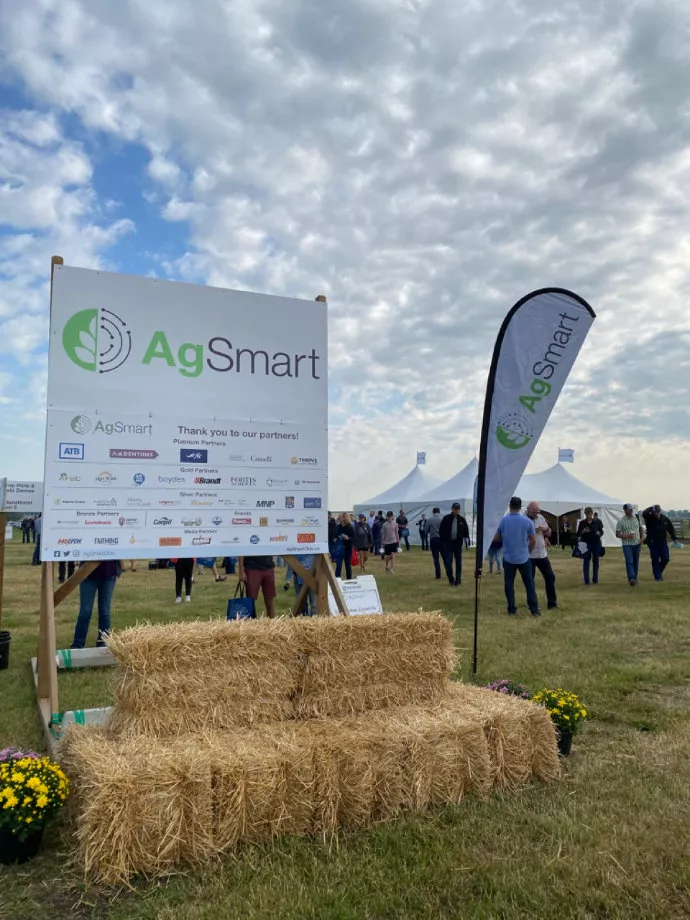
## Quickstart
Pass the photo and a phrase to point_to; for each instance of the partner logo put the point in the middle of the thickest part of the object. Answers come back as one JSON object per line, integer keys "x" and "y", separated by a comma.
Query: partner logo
{"x": 262, "y": 503}
{"x": 241, "y": 521}
{"x": 205, "y": 481}
{"x": 217, "y": 521}
{"x": 106, "y": 541}
{"x": 69, "y": 541}
{"x": 254, "y": 539}
{"x": 277, "y": 483}
{"x": 64, "y": 477}
{"x": 191, "y": 522}
{"x": 278, "y": 539}
{"x": 263, "y": 522}
{"x": 97, "y": 340}
{"x": 162, "y": 522}
{"x": 188, "y": 455}
{"x": 289, "y": 501}
{"x": 286, "y": 521}
{"x": 106, "y": 477}
{"x": 514, "y": 430}
{"x": 121, "y": 453}
{"x": 139, "y": 479}
{"x": 171, "y": 480}
{"x": 310, "y": 522}
{"x": 312, "y": 503}
{"x": 304, "y": 461}
{"x": 306, "y": 538}
{"x": 170, "y": 541}
{"x": 67, "y": 451}
{"x": 201, "y": 541}
{"x": 242, "y": 481}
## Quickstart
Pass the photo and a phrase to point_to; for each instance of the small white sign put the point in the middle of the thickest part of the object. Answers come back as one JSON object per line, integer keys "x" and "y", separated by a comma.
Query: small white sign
{"x": 21, "y": 496}
{"x": 361, "y": 596}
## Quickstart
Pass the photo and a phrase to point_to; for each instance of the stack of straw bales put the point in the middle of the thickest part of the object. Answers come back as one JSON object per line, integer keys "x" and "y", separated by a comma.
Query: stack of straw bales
{"x": 224, "y": 733}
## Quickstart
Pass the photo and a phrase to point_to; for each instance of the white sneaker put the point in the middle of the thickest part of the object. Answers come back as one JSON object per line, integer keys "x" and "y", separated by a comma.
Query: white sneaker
{"x": 188, "y": 599}
{"x": 178, "y": 600}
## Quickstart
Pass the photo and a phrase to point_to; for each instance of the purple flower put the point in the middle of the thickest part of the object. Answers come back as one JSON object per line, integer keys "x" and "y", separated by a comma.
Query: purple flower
{"x": 15, "y": 754}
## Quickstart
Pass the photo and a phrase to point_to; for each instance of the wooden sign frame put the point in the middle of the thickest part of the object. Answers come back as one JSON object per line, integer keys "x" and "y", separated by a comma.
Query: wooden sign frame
{"x": 45, "y": 665}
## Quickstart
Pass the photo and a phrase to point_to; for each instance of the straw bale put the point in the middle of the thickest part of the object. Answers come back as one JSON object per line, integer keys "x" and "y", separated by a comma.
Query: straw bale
{"x": 357, "y": 664}
{"x": 189, "y": 677}
{"x": 144, "y": 805}
{"x": 520, "y": 734}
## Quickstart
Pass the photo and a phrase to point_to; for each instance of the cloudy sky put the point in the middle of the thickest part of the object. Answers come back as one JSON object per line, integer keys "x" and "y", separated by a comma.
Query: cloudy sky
{"x": 424, "y": 163}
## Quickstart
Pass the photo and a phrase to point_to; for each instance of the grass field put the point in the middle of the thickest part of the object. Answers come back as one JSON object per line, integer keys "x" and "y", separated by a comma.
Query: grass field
{"x": 610, "y": 840}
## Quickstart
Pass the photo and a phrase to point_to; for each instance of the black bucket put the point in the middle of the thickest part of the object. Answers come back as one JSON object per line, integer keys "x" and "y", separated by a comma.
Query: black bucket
{"x": 5, "y": 639}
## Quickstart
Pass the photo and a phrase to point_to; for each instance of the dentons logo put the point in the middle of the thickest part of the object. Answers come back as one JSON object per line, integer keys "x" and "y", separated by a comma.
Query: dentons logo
{"x": 97, "y": 340}
{"x": 514, "y": 431}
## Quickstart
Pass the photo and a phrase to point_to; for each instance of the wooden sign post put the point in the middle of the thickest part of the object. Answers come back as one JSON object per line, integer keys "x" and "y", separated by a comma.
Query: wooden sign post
{"x": 3, "y": 527}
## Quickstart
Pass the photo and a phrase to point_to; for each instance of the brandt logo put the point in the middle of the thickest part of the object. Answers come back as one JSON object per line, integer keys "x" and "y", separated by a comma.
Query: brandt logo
{"x": 97, "y": 340}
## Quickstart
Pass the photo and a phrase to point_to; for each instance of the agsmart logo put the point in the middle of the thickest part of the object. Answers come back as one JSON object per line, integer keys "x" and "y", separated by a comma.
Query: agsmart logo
{"x": 514, "y": 431}
{"x": 97, "y": 340}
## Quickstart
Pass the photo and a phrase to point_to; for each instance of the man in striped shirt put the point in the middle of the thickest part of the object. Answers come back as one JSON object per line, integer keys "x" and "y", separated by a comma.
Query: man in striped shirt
{"x": 630, "y": 532}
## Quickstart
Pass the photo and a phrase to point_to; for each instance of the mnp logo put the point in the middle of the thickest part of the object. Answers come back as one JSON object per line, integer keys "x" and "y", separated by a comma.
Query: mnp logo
{"x": 513, "y": 431}
{"x": 97, "y": 340}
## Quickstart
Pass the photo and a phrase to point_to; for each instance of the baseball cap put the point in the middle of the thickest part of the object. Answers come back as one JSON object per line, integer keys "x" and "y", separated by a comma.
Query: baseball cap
{"x": 456, "y": 505}
{"x": 362, "y": 517}
{"x": 627, "y": 507}
{"x": 656, "y": 507}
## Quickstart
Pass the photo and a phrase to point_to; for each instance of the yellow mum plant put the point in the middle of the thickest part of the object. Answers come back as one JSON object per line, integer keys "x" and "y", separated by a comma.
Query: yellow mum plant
{"x": 566, "y": 709}
{"x": 32, "y": 790}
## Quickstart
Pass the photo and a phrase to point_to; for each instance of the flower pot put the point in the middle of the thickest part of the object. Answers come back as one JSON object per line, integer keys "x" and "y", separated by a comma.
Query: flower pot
{"x": 565, "y": 743}
{"x": 13, "y": 850}
{"x": 5, "y": 639}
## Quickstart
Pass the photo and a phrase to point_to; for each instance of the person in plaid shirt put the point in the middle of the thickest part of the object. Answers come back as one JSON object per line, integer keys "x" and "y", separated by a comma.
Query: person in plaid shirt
{"x": 629, "y": 532}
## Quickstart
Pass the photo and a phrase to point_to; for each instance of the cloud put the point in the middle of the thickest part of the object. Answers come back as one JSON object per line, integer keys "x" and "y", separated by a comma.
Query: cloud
{"x": 424, "y": 165}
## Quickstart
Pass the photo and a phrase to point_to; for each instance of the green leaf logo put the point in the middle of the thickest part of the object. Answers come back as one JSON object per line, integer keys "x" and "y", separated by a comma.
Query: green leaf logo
{"x": 513, "y": 431}
{"x": 79, "y": 339}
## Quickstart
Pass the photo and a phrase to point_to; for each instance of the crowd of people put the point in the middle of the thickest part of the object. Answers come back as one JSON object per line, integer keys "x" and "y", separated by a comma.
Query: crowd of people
{"x": 520, "y": 545}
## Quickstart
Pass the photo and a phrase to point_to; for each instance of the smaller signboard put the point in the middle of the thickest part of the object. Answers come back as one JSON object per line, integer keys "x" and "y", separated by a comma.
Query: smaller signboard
{"x": 361, "y": 596}
{"x": 21, "y": 496}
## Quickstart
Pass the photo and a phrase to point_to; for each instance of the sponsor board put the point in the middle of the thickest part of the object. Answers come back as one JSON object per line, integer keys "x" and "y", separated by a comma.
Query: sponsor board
{"x": 69, "y": 450}
{"x": 312, "y": 502}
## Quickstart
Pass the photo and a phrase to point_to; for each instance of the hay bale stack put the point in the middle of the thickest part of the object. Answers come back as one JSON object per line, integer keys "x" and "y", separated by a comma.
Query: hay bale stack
{"x": 145, "y": 805}
{"x": 520, "y": 735}
{"x": 357, "y": 664}
{"x": 182, "y": 678}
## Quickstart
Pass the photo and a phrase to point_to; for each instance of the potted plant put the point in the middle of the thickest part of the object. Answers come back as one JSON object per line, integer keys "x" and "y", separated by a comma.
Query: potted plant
{"x": 567, "y": 714}
{"x": 32, "y": 789}
{"x": 510, "y": 687}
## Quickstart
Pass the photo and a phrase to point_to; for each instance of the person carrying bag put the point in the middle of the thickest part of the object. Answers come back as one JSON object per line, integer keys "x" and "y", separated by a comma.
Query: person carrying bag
{"x": 241, "y": 607}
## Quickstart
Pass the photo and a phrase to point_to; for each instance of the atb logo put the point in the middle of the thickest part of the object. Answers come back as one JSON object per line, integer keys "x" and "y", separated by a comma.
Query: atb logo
{"x": 97, "y": 340}
{"x": 513, "y": 431}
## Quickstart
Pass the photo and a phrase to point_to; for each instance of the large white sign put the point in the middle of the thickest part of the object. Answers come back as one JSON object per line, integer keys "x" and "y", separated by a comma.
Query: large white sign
{"x": 21, "y": 496}
{"x": 183, "y": 421}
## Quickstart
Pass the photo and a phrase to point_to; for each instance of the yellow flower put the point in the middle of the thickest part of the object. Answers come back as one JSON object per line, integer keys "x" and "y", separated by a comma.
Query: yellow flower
{"x": 561, "y": 702}
{"x": 565, "y": 716}
{"x": 33, "y": 782}
{"x": 42, "y": 801}
{"x": 584, "y": 713}
{"x": 19, "y": 778}
{"x": 29, "y": 820}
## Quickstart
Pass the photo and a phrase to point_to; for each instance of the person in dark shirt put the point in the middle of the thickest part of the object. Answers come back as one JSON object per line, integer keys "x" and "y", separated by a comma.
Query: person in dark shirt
{"x": 99, "y": 583}
{"x": 590, "y": 531}
{"x": 376, "y": 533}
{"x": 423, "y": 536}
{"x": 658, "y": 526}
{"x": 363, "y": 542}
{"x": 258, "y": 572}
{"x": 453, "y": 532}
{"x": 403, "y": 529}
{"x": 346, "y": 534}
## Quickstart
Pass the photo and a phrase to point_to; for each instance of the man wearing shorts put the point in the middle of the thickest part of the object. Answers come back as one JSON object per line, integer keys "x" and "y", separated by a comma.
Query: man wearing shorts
{"x": 258, "y": 572}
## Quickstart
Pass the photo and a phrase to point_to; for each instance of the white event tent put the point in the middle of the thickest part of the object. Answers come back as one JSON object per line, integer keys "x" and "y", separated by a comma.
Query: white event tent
{"x": 401, "y": 495}
{"x": 561, "y": 496}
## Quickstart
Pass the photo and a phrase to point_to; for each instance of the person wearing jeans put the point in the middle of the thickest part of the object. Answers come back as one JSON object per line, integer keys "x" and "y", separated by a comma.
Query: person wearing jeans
{"x": 403, "y": 529}
{"x": 590, "y": 531}
{"x": 454, "y": 532}
{"x": 518, "y": 538}
{"x": 495, "y": 556}
{"x": 629, "y": 532}
{"x": 433, "y": 530}
{"x": 100, "y": 583}
{"x": 539, "y": 555}
{"x": 658, "y": 526}
{"x": 184, "y": 572}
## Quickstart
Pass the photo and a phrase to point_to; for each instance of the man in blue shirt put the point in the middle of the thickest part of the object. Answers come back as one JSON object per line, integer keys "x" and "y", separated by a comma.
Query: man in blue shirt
{"x": 518, "y": 538}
